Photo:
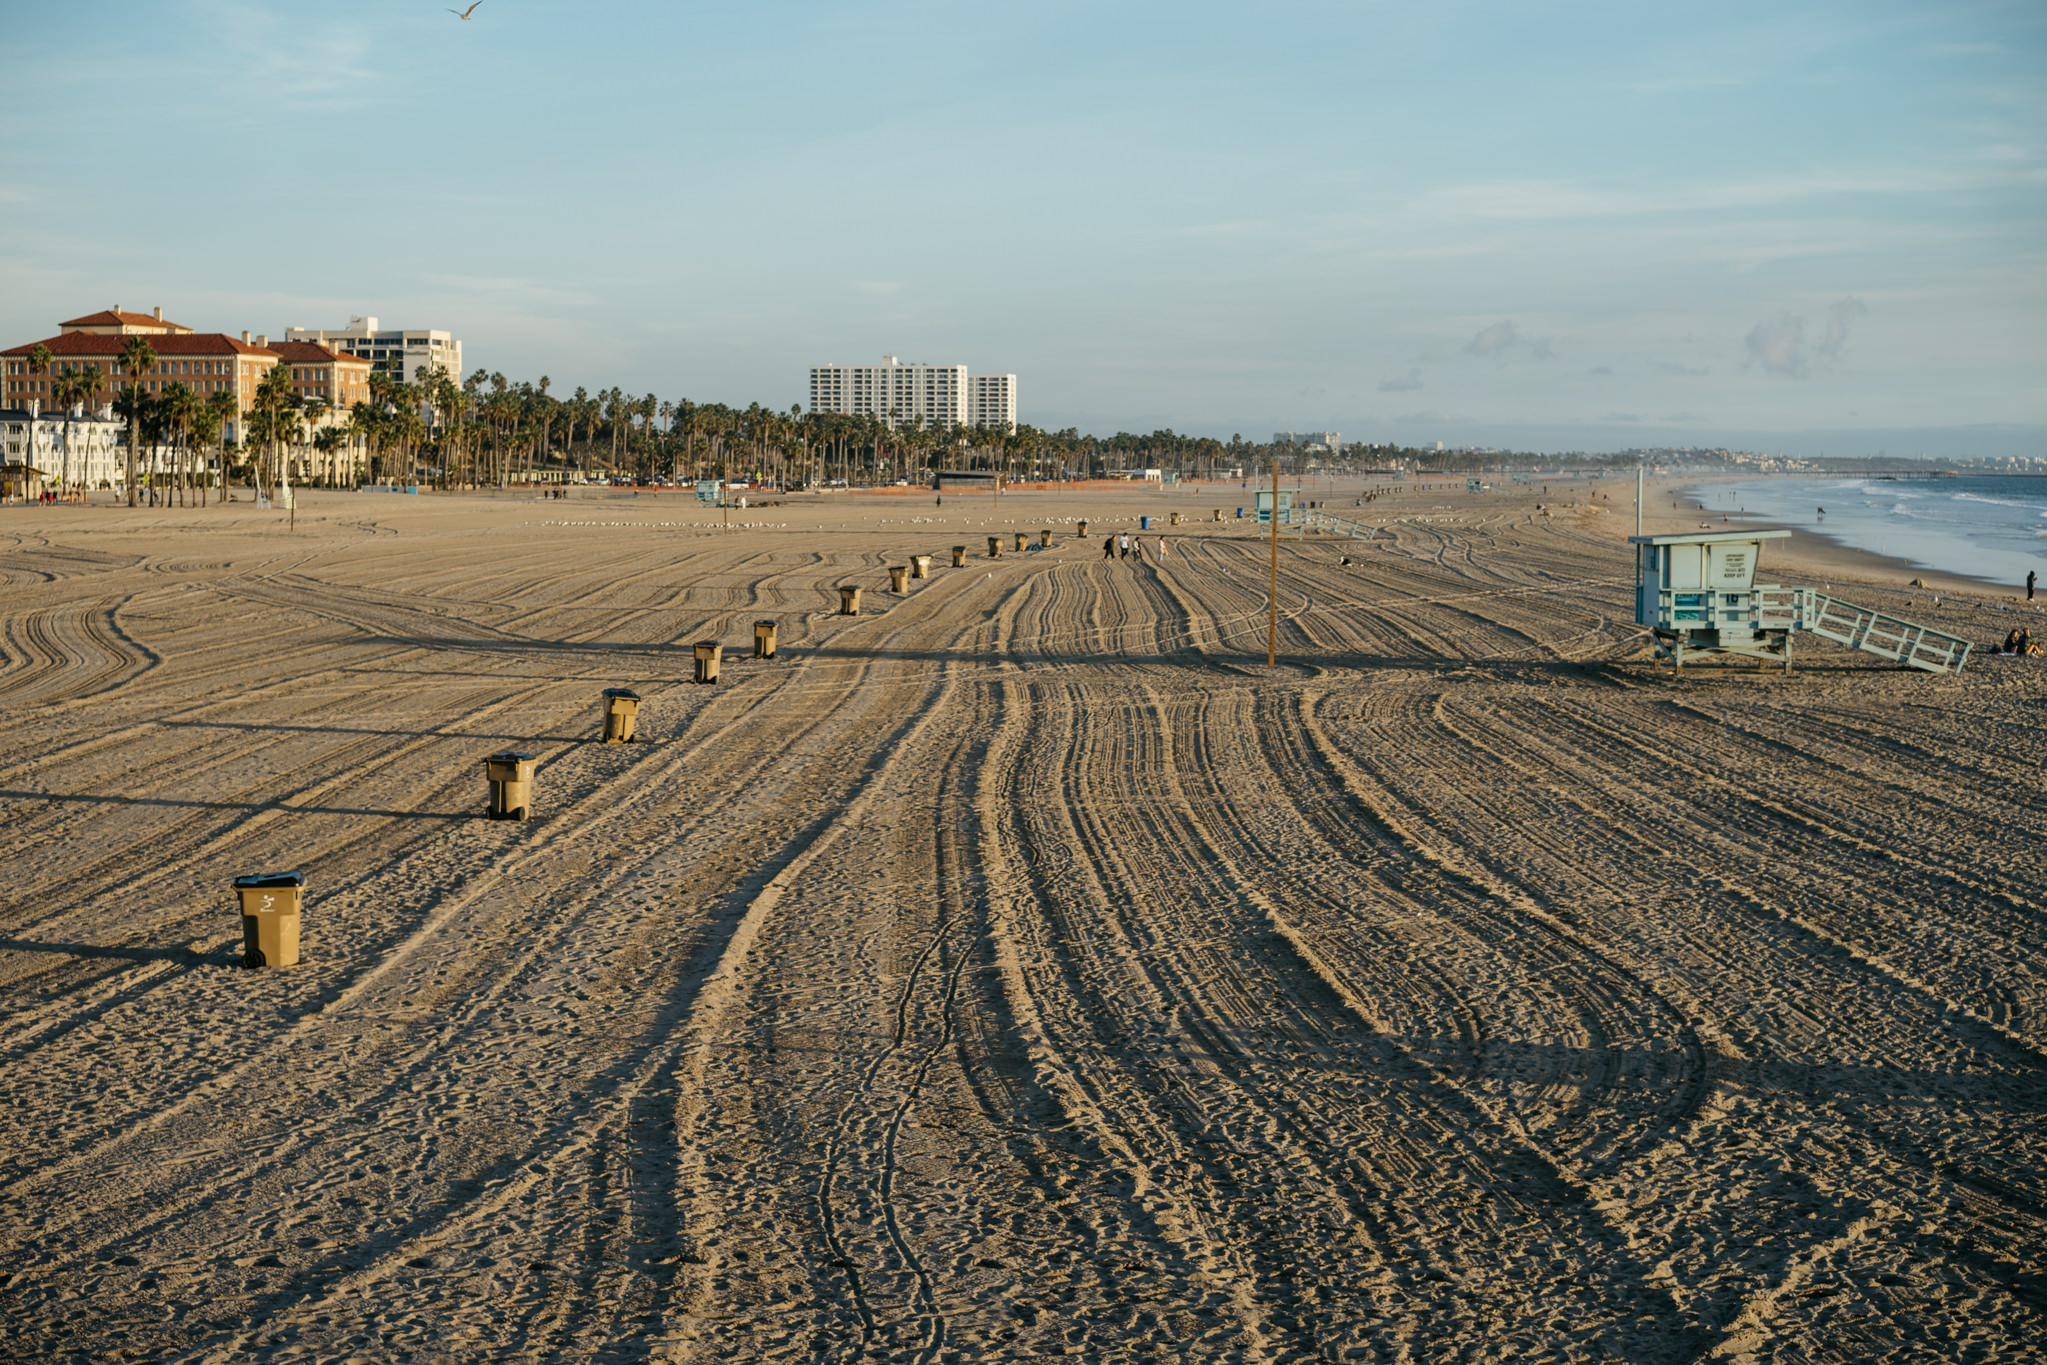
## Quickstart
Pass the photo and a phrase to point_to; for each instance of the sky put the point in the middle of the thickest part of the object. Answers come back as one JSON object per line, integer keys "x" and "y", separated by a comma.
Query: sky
{"x": 1811, "y": 228}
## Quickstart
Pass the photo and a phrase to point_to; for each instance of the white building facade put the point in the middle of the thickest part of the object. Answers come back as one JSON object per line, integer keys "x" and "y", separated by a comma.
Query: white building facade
{"x": 991, "y": 401}
{"x": 401, "y": 353}
{"x": 919, "y": 395}
{"x": 1331, "y": 441}
{"x": 85, "y": 452}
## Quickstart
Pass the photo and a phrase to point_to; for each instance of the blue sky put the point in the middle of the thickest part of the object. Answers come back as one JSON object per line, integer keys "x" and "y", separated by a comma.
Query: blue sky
{"x": 1550, "y": 226}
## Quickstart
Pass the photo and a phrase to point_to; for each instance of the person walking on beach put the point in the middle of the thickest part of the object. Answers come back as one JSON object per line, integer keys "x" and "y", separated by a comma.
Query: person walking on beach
{"x": 1108, "y": 547}
{"x": 2031, "y": 576}
{"x": 1123, "y": 545}
{"x": 1162, "y": 549}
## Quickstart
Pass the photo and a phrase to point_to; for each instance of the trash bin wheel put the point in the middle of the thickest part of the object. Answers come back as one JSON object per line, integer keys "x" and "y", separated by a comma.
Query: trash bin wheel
{"x": 253, "y": 958}
{"x": 519, "y": 814}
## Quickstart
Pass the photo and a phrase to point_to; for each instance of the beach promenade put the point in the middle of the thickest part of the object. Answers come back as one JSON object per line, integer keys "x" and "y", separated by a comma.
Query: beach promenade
{"x": 1019, "y": 968}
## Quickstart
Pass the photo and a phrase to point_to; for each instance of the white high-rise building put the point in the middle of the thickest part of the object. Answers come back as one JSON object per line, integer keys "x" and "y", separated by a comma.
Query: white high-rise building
{"x": 921, "y": 395}
{"x": 991, "y": 401}
{"x": 393, "y": 351}
{"x": 1314, "y": 440}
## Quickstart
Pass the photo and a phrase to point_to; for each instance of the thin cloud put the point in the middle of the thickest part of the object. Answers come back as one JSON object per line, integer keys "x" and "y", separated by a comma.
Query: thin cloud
{"x": 1672, "y": 367}
{"x": 1411, "y": 384}
{"x": 1538, "y": 200}
{"x": 1504, "y": 336}
{"x": 1681, "y": 85}
{"x": 1493, "y": 339}
{"x": 1778, "y": 345}
{"x": 515, "y": 288}
{"x": 1837, "y": 326}
{"x": 310, "y": 65}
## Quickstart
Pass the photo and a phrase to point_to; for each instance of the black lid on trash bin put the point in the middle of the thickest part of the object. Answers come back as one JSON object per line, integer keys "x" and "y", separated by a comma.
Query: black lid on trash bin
{"x": 264, "y": 880}
{"x": 510, "y": 756}
{"x": 772, "y": 623}
{"x": 621, "y": 692}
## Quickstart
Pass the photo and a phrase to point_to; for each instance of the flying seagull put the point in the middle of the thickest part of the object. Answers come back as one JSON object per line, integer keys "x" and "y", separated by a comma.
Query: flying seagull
{"x": 465, "y": 13}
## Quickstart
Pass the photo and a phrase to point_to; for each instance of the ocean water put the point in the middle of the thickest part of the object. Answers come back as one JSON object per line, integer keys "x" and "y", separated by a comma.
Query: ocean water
{"x": 1990, "y": 528}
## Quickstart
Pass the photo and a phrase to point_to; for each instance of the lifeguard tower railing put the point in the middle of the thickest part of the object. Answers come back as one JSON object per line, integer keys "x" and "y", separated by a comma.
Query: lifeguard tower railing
{"x": 1697, "y": 594}
{"x": 1315, "y": 519}
{"x": 1880, "y": 633}
{"x": 1303, "y": 519}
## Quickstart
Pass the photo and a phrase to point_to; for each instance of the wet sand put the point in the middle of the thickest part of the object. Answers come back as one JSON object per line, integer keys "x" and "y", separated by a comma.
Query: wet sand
{"x": 1017, "y": 969}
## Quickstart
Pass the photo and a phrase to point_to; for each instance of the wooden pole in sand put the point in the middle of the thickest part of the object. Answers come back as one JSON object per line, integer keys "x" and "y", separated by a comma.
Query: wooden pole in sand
{"x": 1272, "y": 593}
{"x": 1638, "y": 533}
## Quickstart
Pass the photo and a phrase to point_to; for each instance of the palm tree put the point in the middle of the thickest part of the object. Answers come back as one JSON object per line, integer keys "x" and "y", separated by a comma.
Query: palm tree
{"x": 327, "y": 440}
{"x": 314, "y": 409}
{"x": 133, "y": 404}
{"x": 62, "y": 390}
{"x": 136, "y": 357}
{"x": 38, "y": 363}
{"x": 180, "y": 405}
{"x": 90, "y": 384}
{"x": 649, "y": 407}
{"x": 221, "y": 409}
{"x": 275, "y": 404}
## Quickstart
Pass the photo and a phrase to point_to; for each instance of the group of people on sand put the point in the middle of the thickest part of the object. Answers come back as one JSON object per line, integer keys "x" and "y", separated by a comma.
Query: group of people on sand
{"x": 1125, "y": 545}
{"x": 2020, "y": 641}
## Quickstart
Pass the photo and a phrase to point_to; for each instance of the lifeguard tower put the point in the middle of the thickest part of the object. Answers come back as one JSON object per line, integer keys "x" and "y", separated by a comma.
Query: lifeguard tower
{"x": 1697, "y": 593}
{"x": 1286, "y": 506}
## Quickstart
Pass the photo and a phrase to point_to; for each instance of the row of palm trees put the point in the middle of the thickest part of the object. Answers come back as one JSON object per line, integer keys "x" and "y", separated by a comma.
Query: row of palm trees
{"x": 486, "y": 431}
{"x": 489, "y": 431}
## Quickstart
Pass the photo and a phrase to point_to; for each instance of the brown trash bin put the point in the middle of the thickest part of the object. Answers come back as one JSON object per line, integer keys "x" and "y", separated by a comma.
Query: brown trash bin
{"x": 920, "y": 566}
{"x": 621, "y": 710}
{"x": 898, "y": 574}
{"x": 511, "y": 784}
{"x": 1218, "y": 515}
{"x": 764, "y": 639}
{"x": 1172, "y": 519}
{"x": 959, "y": 555}
{"x": 709, "y": 653}
{"x": 1083, "y": 530}
{"x": 995, "y": 547}
{"x": 270, "y": 918}
{"x": 1019, "y": 542}
{"x": 1045, "y": 539}
{"x": 849, "y": 601}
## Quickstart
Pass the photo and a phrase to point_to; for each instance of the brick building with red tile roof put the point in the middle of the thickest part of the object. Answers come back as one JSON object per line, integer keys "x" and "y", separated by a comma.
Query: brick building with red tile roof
{"x": 205, "y": 362}
{"x": 323, "y": 374}
{"x": 114, "y": 322}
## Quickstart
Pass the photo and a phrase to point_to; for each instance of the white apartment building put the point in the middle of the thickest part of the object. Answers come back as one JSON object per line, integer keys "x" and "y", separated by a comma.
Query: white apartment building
{"x": 403, "y": 354}
{"x": 991, "y": 401}
{"x": 921, "y": 395}
{"x": 82, "y": 453}
{"x": 1331, "y": 441}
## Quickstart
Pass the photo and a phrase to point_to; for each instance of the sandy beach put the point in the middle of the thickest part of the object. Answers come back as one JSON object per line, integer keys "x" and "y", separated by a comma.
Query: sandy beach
{"x": 1017, "y": 969}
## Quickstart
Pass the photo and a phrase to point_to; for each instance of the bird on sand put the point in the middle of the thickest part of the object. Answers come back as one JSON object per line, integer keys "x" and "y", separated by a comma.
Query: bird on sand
{"x": 465, "y": 13}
